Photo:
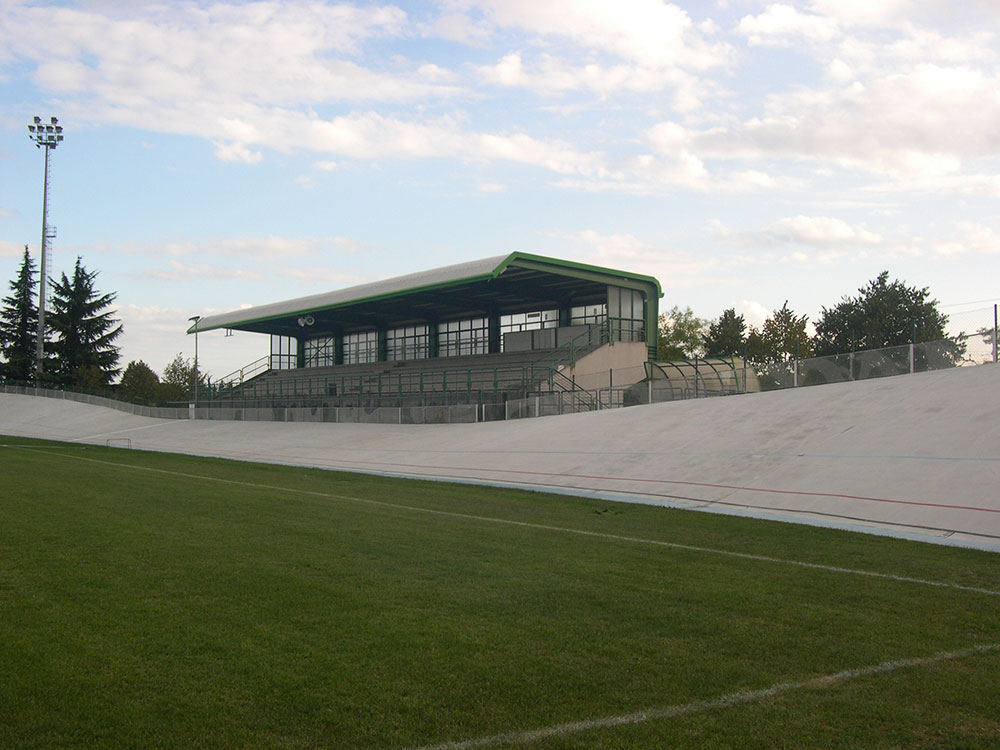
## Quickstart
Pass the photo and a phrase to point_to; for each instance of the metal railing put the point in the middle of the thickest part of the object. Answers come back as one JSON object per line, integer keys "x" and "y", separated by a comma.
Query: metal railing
{"x": 700, "y": 378}
{"x": 247, "y": 372}
{"x": 958, "y": 351}
{"x": 385, "y": 380}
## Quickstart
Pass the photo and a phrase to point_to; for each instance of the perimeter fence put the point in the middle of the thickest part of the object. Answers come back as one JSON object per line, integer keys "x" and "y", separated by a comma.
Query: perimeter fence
{"x": 609, "y": 389}
{"x": 700, "y": 378}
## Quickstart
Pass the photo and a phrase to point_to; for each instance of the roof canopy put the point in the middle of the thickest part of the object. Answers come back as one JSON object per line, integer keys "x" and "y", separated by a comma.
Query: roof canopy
{"x": 492, "y": 286}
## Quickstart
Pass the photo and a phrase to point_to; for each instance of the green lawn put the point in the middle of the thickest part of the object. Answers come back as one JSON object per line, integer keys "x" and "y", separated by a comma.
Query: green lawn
{"x": 155, "y": 600}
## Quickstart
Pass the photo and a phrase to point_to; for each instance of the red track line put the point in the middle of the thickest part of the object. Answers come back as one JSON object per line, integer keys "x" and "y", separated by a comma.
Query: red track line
{"x": 688, "y": 484}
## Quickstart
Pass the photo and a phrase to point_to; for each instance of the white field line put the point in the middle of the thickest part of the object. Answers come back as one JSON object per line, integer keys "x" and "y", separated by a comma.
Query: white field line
{"x": 543, "y": 527}
{"x": 732, "y": 699}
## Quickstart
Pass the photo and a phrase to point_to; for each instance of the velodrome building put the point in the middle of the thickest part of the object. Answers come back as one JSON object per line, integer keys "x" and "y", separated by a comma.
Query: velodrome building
{"x": 510, "y": 328}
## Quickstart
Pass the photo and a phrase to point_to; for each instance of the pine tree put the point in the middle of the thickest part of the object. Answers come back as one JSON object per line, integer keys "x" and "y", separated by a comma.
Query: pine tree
{"x": 85, "y": 331}
{"x": 19, "y": 325}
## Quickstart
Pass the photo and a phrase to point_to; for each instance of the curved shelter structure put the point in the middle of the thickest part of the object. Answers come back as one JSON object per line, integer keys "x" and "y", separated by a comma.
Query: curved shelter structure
{"x": 506, "y": 303}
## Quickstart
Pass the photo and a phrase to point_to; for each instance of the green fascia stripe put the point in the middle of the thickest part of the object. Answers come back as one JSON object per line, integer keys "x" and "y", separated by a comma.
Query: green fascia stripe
{"x": 523, "y": 260}
{"x": 648, "y": 285}
{"x": 580, "y": 271}
{"x": 353, "y": 302}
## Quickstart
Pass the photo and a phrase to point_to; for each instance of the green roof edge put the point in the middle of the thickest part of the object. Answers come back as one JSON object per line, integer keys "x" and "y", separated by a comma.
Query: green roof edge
{"x": 508, "y": 261}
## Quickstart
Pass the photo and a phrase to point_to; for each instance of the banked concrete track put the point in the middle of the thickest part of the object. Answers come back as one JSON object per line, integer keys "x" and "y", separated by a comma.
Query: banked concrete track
{"x": 915, "y": 455}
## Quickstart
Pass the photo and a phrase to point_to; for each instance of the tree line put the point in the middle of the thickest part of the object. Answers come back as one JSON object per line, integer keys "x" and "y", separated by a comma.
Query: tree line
{"x": 80, "y": 330}
{"x": 79, "y": 347}
{"x": 883, "y": 314}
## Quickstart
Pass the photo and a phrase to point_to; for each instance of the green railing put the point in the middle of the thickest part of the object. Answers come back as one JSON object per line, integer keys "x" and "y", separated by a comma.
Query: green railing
{"x": 394, "y": 382}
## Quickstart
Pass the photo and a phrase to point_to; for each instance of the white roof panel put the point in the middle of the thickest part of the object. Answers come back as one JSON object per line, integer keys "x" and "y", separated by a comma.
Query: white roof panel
{"x": 434, "y": 277}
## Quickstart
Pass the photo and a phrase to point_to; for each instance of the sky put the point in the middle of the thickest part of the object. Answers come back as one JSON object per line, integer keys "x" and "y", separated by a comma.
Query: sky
{"x": 220, "y": 155}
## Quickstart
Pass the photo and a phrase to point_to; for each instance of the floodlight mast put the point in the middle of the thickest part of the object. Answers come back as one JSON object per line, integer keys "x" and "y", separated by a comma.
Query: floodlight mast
{"x": 48, "y": 136}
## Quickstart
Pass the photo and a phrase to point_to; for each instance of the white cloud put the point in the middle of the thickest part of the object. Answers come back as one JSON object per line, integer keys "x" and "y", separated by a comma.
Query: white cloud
{"x": 228, "y": 72}
{"x": 322, "y": 274}
{"x": 924, "y": 123}
{"x": 650, "y": 32}
{"x": 752, "y": 311}
{"x": 821, "y": 231}
{"x": 779, "y": 22}
{"x": 155, "y": 334}
{"x": 971, "y": 239}
{"x": 237, "y": 153}
{"x": 805, "y": 239}
{"x": 8, "y": 213}
{"x": 178, "y": 271}
{"x": 458, "y": 27}
{"x": 675, "y": 269}
{"x": 865, "y": 12}
{"x": 547, "y": 74}
{"x": 258, "y": 248}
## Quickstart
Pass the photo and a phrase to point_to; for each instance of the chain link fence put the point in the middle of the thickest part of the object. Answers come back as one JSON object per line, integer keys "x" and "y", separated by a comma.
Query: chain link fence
{"x": 608, "y": 389}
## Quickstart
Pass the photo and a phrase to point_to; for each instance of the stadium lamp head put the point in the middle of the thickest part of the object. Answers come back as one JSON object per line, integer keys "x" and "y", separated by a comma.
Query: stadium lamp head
{"x": 45, "y": 135}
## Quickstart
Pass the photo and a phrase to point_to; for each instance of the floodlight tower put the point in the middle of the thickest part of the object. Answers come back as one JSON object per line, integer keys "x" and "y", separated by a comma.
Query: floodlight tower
{"x": 46, "y": 136}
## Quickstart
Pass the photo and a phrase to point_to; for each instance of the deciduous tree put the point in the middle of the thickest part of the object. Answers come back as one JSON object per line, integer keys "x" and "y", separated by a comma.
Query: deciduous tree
{"x": 140, "y": 382}
{"x": 681, "y": 335}
{"x": 884, "y": 313}
{"x": 177, "y": 383}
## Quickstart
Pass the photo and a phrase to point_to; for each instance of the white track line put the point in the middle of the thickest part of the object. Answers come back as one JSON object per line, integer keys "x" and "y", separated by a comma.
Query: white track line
{"x": 732, "y": 699}
{"x": 543, "y": 527}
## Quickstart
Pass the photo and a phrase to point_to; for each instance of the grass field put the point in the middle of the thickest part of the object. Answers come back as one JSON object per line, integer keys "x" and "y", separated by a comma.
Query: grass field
{"x": 155, "y": 600}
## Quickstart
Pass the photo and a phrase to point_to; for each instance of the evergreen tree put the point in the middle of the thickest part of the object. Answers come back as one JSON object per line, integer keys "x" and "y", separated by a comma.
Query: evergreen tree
{"x": 85, "y": 331}
{"x": 19, "y": 325}
{"x": 725, "y": 336}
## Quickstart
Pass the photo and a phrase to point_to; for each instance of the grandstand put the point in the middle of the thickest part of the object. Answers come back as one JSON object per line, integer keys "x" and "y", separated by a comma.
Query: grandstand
{"x": 481, "y": 334}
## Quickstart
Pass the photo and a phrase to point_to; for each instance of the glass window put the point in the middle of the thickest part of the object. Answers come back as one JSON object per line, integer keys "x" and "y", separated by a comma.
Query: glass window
{"x": 321, "y": 352}
{"x": 409, "y": 342}
{"x": 529, "y": 321}
{"x": 460, "y": 337}
{"x": 625, "y": 310}
{"x": 284, "y": 353}
{"x": 361, "y": 348}
{"x": 588, "y": 314}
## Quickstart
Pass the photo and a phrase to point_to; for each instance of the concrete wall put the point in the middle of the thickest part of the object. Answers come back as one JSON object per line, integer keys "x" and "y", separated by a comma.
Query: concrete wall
{"x": 620, "y": 363}
{"x": 915, "y": 455}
